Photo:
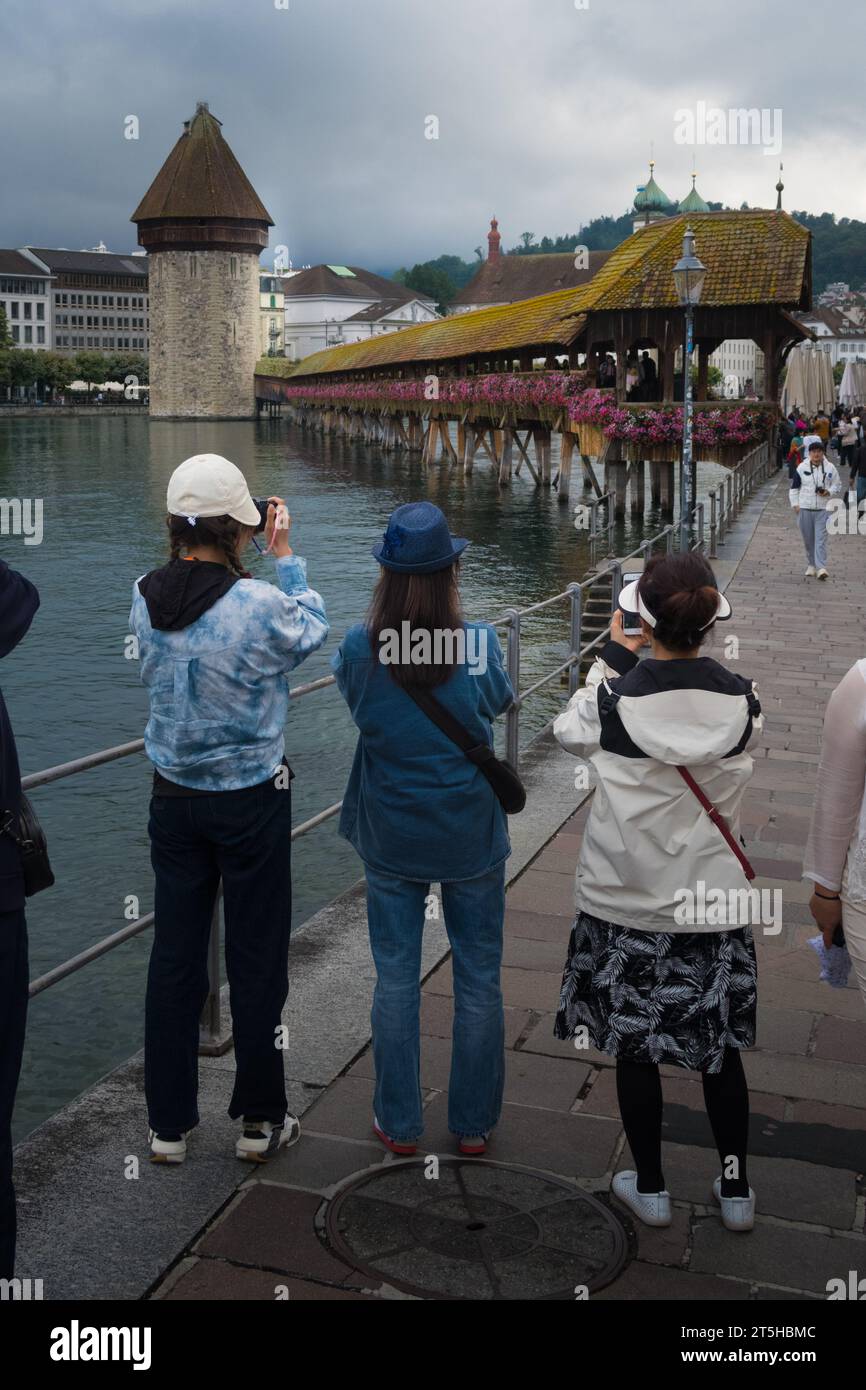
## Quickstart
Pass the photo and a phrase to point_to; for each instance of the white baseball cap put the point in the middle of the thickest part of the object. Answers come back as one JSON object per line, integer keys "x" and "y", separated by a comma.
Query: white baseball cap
{"x": 209, "y": 485}
{"x": 630, "y": 601}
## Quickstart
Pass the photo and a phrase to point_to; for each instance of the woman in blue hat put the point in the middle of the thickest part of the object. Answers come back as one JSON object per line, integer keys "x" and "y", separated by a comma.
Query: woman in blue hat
{"x": 419, "y": 812}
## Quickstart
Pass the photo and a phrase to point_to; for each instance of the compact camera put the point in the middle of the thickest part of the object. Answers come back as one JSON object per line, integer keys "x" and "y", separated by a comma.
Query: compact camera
{"x": 261, "y": 504}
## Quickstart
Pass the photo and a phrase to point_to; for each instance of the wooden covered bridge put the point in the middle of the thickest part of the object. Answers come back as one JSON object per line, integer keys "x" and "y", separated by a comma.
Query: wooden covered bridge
{"x": 525, "y": 372}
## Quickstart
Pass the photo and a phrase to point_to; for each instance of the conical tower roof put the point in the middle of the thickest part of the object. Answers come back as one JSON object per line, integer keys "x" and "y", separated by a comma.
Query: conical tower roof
{"x": 202, "y": 179}
{"x": 651, "y": 198}
{"x": 693, "y": 202}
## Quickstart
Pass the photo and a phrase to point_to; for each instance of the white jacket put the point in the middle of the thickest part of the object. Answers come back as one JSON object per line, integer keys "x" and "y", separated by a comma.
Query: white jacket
{"x": 648, "y": 839}
{"x": 807, "y": 479}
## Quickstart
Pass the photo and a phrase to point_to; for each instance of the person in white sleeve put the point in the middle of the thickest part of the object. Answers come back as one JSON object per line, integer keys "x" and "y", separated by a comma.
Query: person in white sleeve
{"x": 835, "y": 858}
{"x": 813, "y": 483}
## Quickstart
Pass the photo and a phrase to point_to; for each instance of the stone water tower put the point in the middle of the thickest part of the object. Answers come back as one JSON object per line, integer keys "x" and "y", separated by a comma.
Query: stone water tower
{"x": 204, "y": 228}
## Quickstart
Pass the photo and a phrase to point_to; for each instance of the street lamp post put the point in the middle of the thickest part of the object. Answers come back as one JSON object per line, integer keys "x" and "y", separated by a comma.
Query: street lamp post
{"x": 689, "y": 275}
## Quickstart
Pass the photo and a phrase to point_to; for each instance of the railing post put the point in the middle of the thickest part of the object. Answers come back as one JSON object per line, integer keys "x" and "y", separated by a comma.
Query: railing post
{"x": 576, "y": 594}
{"x": 212, "y": 1043}
{"x": 713, "y": 525}
{"x": 616, "y": 586}
{"x": 512, "y": 665}
{"x": 700, "y": 511}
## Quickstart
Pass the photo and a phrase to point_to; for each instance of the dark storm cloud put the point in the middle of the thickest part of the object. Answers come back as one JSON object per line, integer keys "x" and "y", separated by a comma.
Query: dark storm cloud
{"x": 546, "y": 113}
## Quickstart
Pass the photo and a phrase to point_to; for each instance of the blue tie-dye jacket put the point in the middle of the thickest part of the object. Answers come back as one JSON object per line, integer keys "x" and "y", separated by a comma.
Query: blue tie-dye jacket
{"x": 218, "y": 689}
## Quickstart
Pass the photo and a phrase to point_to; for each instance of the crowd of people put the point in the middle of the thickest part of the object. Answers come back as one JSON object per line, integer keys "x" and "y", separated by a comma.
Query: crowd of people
{"x": 668, "y": 731}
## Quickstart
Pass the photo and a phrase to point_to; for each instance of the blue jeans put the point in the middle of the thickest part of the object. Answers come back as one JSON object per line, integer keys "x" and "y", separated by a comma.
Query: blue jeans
{"x": 244, "y": 838}
{"x": 474, "y": 911}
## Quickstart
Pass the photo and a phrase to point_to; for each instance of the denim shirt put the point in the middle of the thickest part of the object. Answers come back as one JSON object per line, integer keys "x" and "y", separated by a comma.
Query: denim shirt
{"x": 218, "y": 689}
{"x": 415, "y": 806}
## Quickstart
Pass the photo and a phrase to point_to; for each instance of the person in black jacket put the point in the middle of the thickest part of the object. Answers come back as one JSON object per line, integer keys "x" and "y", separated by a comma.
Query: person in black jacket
{"x": 19, "y": 601}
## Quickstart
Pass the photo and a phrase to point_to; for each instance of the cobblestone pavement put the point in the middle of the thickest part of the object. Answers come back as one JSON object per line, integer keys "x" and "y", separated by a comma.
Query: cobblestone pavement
{"x": 808, "y": 1073}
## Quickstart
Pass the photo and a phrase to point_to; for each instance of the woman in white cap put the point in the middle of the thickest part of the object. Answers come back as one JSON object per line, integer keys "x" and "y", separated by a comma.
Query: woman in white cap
{"x": 216, "y": 647}
{"x": 661, "y": 965}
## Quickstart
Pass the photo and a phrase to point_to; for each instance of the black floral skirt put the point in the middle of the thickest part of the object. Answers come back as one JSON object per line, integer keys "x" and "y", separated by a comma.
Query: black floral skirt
{"x": 673, "y": 997}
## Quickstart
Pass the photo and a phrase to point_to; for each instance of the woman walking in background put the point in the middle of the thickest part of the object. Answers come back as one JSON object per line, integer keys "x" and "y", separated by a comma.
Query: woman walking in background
{"x": 418, "y": 811}
{"x": 216, "y": 647}
{"x": 835, "y": 858}
{"x": 651, "y": 976}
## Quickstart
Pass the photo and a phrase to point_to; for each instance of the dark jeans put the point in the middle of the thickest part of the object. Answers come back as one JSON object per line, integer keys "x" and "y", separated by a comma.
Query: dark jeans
{"x": 243, "y": 837}
{"x": 13, "y": 1016}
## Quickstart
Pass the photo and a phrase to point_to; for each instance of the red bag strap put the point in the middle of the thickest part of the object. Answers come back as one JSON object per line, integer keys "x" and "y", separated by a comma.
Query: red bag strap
{"x": 718, "y": 820}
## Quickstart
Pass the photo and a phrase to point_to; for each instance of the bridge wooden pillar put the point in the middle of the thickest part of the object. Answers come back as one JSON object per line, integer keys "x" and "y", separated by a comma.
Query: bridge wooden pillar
{"x": 566, "y": 454}
{"x": 666, "y": 487}
{"x": 541, "y": 440}
{"x": 505, "y": 439}
{"x": 616, "y": 481}
{"x": 636, "y": 477}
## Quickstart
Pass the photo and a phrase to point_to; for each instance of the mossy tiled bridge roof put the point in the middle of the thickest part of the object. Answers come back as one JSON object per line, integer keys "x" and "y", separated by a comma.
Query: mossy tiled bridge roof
{"x": 758, "y": 268}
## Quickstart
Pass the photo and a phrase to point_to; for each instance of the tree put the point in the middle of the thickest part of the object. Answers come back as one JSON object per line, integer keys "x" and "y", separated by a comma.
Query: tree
{"x": 5, "y": 335}
{"x": 479, "y": 253}
{"x": 527, "y": 238}
{"x": 91, "y": 367}
{"x": 433, "y": 283}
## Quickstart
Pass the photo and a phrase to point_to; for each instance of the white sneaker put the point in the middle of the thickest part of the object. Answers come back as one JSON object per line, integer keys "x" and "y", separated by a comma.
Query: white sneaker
{"x": 810, "y": 572}
{"x": 738, "y": 1213}
{"x": 822, "y": 574}
{"x": 260, "y": 1139}
{"x": 652, "y": 1208}
{"x": 170, "y": 1148}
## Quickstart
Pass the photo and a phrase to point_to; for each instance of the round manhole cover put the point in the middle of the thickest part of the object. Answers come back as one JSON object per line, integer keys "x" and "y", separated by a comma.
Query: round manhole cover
{"x": 476, "y": 1230}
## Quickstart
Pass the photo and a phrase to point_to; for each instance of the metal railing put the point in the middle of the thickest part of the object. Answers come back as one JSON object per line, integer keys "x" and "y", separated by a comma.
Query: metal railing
{"x": 753, "y": 470}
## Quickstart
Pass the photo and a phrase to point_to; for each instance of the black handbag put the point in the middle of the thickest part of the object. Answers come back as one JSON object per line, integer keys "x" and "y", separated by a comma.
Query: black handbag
{"x": 29, "y": 836}
{"x": 502, "y": 777}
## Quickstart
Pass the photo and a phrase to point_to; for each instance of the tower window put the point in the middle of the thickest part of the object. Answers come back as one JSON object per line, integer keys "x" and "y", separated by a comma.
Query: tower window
{"x": 193, "y": 265}
{"x": 233, "y": 267}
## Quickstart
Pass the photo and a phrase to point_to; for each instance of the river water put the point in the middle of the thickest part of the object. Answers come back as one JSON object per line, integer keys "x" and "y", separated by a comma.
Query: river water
{"x": 71, "y": 690}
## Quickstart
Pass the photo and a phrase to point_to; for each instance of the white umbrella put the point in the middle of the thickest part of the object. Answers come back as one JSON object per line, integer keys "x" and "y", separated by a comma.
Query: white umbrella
{"x": 794, "y": 390}
{"x": 852, "y": 390}
{"x": 827, "y": 386}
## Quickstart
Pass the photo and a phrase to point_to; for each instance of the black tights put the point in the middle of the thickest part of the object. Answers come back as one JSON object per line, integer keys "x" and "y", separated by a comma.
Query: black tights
{"x": 726, "y": 1096}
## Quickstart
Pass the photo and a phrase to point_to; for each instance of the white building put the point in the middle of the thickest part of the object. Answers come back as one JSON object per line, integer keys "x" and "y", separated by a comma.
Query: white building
{"x": 743, "y": 359}
{"x": 326, "y": 305}
{"x": 25, "y": 294}
{"x": 838, "y": 330}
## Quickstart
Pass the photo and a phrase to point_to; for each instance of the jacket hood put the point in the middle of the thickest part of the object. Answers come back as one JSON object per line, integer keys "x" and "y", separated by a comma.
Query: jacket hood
{"x": 691, "y": 711}
{"x": 181, "y": 591}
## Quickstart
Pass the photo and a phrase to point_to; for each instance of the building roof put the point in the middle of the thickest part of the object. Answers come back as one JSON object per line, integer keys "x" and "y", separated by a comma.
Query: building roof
{"x": 13, "y": 263}
{"x": 509, "y": 278}
{"x": 840, "y": 323}
{"x": 202, "y": 178}
{"x": 752, "y": 258}
{"x": 99, "y": 262}
{"x": 382, "y": 308}
{"x": 359, "y": 284}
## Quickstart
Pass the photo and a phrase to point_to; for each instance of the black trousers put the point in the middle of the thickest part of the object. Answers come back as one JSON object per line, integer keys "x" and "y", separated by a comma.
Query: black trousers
{"x": 13, "y": 1017}
{"x": 244, "y": 838}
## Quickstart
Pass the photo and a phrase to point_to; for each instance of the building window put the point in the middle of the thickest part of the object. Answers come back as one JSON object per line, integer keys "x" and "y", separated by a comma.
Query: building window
{"x": 13, "y": 309}
{"x": 15, "y": 330}
{"x": 233, "y": 267}
{"x": 28, "y": 334}
{"x": 40, "y": 336}
{"x": 193, "y": 265}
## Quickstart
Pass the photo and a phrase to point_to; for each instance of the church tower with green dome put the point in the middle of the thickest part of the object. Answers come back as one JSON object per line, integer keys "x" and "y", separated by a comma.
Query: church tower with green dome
{"x": 693, "y": 202}
{"x": 651, "y": 204}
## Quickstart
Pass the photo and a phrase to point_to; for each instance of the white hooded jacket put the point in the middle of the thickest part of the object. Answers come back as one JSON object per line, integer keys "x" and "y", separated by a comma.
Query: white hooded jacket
{"x": 806, "y": 480}
{"x": 648, "y": 838}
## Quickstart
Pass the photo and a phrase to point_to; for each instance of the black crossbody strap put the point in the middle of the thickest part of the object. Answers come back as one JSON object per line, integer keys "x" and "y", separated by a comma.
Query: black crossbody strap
{"x": 450, "y": 727}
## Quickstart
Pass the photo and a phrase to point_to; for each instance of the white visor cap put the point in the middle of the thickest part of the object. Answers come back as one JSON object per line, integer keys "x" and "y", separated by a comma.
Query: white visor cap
{"x": 209, "y": 485}
{"x": 630, "y": 601}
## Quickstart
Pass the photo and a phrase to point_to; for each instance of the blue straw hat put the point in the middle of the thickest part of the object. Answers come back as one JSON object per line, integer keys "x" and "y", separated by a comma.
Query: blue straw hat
{"x": 418, "y": 541}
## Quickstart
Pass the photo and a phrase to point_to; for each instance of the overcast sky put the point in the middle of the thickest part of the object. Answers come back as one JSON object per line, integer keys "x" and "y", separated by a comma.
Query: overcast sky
{"x": 545, "y": 112}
